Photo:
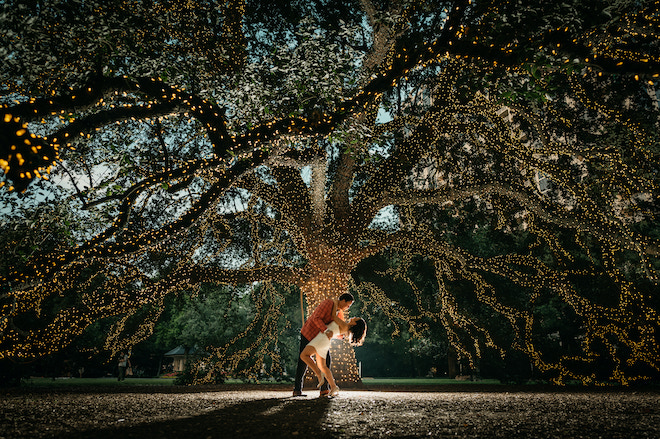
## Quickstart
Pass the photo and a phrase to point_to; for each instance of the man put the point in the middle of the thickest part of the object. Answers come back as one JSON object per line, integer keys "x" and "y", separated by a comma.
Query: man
{"x": 123, "y": 364}
{"x": 316, "y": 323}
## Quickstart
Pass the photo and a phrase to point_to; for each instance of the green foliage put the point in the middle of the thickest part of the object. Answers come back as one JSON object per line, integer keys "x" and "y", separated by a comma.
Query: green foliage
{"x": 212, "y": 317}
{"x": 187, "y": 376}
{"x": 216, "y": 316}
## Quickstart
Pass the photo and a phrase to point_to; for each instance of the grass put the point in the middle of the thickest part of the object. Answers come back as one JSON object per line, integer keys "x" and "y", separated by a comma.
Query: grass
{"x": 112, "y": 381}
{"x": 422, "y": 381}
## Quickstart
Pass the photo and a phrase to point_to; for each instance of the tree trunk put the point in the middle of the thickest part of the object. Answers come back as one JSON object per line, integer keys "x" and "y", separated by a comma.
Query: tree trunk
{"x": 344, "y": 364}
{"x": 329, "y": 282}
{"x": 452, "y": 363}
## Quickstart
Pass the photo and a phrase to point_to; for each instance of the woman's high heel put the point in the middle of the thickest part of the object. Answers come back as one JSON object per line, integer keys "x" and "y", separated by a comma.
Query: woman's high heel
{"x": 322, "y": 381}
{"x": 334, "y": 391}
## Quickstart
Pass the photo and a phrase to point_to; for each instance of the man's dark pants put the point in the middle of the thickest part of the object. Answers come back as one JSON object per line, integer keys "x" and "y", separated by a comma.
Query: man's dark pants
{"x": 302, "y": 368}
{"x": 122, "y": 373}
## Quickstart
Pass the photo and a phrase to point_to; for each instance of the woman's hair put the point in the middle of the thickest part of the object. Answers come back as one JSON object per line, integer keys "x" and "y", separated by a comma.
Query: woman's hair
{"x": 357, "y": 332}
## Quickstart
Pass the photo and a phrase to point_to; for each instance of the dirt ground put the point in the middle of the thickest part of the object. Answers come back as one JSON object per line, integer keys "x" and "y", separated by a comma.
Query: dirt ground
{"x": 248, "y": 411}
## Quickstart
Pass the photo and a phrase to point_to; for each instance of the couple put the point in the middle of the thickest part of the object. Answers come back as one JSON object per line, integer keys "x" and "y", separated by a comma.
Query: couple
{"x": 315, "y": 336}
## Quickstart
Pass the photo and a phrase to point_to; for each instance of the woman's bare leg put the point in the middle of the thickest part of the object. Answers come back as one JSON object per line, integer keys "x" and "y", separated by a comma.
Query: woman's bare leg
{"x": 306, "y": 356}
{"x": 327, "y": 372}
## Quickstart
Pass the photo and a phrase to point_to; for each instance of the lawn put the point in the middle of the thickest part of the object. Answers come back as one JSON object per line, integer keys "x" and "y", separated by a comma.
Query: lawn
{"x": 422, "y": 381}
{"x": 111, "y": 381}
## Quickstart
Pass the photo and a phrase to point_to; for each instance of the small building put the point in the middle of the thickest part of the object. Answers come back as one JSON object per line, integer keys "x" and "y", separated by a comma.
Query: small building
{"x": 182, "y": 354}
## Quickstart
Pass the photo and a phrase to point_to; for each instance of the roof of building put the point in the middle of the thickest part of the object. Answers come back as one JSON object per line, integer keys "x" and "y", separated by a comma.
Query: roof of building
{"x": 182, "y": 350}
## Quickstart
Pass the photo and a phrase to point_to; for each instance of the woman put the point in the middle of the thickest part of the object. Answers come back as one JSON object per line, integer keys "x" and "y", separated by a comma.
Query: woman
{"x": 355, "y": 328}
{"x": 123, "y": 363}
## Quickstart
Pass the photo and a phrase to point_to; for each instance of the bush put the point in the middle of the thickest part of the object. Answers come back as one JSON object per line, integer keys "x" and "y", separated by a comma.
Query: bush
{"x": 187, "y": 376}
{"x": 11, "y": 374}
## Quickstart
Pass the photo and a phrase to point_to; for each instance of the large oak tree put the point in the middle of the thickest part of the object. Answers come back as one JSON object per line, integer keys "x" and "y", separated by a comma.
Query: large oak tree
{"x": 234, "y": 142}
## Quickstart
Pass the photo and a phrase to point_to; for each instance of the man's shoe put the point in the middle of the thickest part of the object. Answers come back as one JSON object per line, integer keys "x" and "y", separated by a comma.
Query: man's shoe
{"x": 325, "y": 392}
{"x": 298, "y": 393}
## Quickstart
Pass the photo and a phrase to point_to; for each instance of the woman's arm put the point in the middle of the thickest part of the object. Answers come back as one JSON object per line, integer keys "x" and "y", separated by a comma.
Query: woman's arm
{"x": 343, "y": 326}
{"x": 334, "y": 316}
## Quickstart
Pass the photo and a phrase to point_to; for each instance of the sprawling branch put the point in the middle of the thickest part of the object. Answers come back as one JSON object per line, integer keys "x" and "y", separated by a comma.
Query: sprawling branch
{"x": 533, "y": 204}
{"x": 102, "y": 246}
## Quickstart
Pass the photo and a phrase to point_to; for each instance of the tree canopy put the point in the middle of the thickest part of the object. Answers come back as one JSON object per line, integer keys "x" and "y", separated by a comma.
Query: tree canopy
{"x": 513, "y": 146}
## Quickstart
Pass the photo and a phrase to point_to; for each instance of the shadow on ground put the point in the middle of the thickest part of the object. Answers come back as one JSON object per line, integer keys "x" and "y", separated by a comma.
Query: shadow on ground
{"x": 387, "y": 412}
{"x": 267, "y": 418}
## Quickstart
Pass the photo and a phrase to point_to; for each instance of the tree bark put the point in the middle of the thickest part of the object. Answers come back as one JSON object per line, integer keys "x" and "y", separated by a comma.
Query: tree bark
{"x": 452, "y": 363}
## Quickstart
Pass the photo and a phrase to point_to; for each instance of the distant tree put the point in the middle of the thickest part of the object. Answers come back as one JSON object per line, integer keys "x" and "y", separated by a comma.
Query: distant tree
{"x": 218, "y": 316}
{"x": 216, "y": 143}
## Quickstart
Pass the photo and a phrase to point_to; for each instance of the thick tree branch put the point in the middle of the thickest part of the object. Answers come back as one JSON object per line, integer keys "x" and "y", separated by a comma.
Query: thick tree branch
{"x": 201, "y": 273}
{"x": 393, "y": 170}
{"x": 294, "y": 198}
{"x": 338, "y": 196}
{"x": 317, "y": 190}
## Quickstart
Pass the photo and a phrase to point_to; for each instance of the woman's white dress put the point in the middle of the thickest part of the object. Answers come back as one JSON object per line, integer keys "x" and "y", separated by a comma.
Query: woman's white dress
{"x": 322, "y": 343}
